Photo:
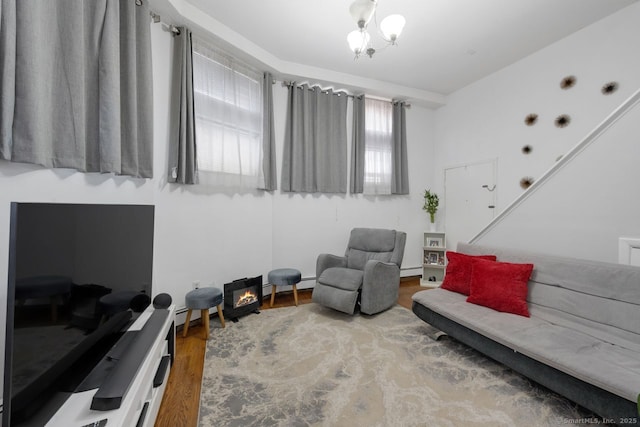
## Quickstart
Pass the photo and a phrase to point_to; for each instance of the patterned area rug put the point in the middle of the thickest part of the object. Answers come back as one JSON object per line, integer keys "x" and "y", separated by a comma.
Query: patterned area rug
{"x": 311, "y": 366}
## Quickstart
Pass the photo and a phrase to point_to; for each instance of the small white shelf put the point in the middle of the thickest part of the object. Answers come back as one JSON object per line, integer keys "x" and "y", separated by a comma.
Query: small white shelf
{"x": 434, "y": 260}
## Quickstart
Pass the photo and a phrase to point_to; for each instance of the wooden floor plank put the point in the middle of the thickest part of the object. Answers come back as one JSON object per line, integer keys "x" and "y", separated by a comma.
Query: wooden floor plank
{"x": 180, "y": 404}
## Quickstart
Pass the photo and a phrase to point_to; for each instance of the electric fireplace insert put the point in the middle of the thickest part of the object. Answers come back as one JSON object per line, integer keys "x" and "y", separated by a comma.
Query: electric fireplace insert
{"x": 242, "y": 296}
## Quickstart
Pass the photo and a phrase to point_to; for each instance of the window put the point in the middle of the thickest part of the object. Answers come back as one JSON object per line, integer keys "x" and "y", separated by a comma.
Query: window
{"x": 228, "y": 112}
{"x": 378, "y": 139}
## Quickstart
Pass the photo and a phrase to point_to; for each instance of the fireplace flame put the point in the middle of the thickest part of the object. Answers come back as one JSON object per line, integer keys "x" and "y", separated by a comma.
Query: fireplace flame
{"x": 249, "y": 297}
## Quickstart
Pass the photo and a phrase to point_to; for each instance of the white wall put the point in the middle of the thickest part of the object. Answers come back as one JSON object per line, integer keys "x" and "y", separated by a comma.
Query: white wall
{"x": 586, "y": 205}
{"x": 214, "y": 238}
{"x": 486, "y": 119}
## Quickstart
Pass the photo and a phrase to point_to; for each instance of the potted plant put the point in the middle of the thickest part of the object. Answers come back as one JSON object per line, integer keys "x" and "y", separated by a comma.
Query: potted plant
{"x": 431, "y": 203}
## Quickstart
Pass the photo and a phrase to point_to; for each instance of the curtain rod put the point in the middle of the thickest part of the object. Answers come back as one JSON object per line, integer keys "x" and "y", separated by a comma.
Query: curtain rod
{"x": 299, "y": 86}
{"x": 167, "y": 27}
{"x": 290, "y": 83}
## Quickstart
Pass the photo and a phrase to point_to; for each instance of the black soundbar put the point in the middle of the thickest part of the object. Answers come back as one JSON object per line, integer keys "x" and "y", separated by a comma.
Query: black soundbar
{"x": 116, "y": 385}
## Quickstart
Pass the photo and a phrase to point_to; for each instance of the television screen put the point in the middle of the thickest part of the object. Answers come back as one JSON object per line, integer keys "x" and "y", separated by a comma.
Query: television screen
{"x": 78, "y": 275}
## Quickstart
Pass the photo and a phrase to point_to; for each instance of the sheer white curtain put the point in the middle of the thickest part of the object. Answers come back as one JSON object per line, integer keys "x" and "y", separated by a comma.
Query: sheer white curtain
{"x": 378, "y": 139}
{"x": 228, "y": 109}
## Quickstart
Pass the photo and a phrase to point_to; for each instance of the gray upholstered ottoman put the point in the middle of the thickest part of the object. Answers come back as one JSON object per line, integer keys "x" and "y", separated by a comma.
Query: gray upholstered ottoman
{"x": 284, "y": 277}
{"x": 203, "y": 299}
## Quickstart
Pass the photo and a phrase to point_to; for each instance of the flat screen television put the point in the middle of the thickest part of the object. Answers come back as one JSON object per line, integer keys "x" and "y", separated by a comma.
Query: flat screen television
{"x": 78, "y": 275}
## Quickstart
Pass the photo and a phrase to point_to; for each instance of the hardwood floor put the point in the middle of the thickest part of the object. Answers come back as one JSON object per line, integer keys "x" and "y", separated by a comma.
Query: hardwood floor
{"x": 179, "y": 406}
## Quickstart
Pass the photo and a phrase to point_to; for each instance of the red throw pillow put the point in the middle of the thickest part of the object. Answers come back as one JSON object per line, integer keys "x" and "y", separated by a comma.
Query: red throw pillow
{"x": 458, "y": 274}
{"x": 501, "y": 286}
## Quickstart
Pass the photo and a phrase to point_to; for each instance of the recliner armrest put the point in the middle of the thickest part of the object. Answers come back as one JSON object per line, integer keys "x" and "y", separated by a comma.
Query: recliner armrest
{"x": 378, "y": 271}
{"x": 325, "y": 261}
{"x": 379, "y": 286}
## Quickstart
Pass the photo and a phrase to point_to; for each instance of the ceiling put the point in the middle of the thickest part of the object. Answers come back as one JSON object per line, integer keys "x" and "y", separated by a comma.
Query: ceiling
{"x": 445, "y": 45}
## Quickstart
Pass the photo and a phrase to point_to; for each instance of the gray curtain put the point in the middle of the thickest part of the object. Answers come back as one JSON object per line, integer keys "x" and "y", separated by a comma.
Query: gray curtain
{"x": 76, "y": 85}
{"x": 315, "y": 145}
{"x": 358, "y": 146}
{"x": 268, "y": 135}
{"x": 399, "y": 170}
{"x": 183, "y": 165}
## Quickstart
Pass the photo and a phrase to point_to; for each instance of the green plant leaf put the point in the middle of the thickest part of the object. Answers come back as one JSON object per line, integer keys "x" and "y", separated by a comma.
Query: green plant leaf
{"x": 431, "y": 202}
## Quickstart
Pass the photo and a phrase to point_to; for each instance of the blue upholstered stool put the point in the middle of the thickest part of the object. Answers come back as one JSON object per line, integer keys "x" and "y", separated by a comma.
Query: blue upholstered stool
{"x": 284, "y": 277}
{"x": 203, "y": 299}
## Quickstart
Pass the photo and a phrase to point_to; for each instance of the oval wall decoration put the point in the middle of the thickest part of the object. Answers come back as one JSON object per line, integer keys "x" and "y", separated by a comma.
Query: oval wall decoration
{"x": 568, "y": 82}
{"x": 526, "y": 182}
{"x": 531, "y": 119}
{"x": 609, "y": 88}
{"x": 562, "y": 121}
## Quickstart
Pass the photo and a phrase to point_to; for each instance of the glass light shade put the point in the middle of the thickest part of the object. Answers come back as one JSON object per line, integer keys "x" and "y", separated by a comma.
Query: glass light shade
{"x": 358, "y": 41}
{"x": 392, "y": 26}
{"x": 362, "y": 11}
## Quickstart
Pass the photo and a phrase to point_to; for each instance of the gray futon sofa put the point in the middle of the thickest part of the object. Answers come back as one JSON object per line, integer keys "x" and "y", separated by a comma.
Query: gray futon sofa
{"x": 581, "y": 341}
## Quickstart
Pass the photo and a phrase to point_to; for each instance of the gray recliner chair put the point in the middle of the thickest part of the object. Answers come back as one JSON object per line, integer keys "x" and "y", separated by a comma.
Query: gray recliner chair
{"x": 370, "y": 270}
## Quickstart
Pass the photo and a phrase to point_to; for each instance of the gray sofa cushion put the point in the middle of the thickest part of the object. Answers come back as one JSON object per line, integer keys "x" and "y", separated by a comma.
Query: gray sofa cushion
{"x": 338, "y": 299}
{"x": 342, "y": 278}
{"x": 358, "y": 259}
{"x": 585, "y": 317}
{"x": 612, "y": 367}
{"x": 596, "y": 298}
{"x": 372, "y": 239}
{"x": 367, "y": 243}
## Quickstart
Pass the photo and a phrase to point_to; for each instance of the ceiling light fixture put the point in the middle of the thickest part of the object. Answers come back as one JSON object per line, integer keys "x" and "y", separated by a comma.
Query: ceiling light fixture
{"x": 359, "y": 40}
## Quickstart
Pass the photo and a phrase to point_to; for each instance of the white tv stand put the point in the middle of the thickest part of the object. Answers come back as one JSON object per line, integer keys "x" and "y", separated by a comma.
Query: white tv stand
{"x": 139, "y": 403}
